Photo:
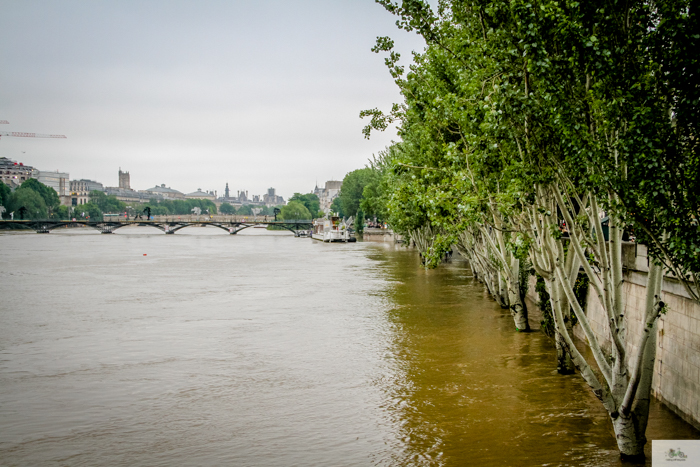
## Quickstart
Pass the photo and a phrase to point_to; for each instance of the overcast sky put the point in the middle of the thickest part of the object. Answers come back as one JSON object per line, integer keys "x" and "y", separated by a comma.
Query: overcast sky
{"x": 194, "y": 94}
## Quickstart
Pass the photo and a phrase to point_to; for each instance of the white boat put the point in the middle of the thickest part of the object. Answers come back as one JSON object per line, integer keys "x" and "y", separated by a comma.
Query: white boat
{"x": 331, "y": 230}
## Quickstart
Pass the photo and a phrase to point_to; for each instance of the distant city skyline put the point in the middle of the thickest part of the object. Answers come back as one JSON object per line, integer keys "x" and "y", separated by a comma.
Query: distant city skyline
{"x": 197, "y": 94}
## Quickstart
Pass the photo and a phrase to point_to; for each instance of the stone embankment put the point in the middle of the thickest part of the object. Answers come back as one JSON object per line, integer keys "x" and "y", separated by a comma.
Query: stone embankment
{"x": 677, "y": 369}
{"x": 380, "y": 235}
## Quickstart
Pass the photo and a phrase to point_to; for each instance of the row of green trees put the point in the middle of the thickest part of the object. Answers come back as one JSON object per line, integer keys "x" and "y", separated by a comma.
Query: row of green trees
{"x": 246, "y": 210}
{"x": 523, "y": 125}
{"x": 99, "y": 203}
{"x": 34, "y": 200}
{"x": 177, "y": 207}
{"x": 306, "y": 206}
{"x": 31, "y": 200}
{"x": 359, "y": 196}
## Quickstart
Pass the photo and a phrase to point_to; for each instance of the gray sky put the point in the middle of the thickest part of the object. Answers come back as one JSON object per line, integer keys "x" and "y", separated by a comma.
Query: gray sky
{"x": 194, "y": 94}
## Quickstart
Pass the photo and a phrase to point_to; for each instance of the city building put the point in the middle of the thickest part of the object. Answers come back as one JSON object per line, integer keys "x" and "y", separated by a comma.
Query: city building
{"x": 124, "y": 193}
{"x": 327, "y": 194}
{"x": 14, "y": 173}
{"x": 80, "y": 191}
{"x": 129, "y": 196}
{"x": 272, "y": 199}
{"x": 124, "y": 180}
{"x": 59, "y": 181}
{"x": 199, "y": 194}
{"x": 164, "y": 192}
{"x": 242, "y": 197}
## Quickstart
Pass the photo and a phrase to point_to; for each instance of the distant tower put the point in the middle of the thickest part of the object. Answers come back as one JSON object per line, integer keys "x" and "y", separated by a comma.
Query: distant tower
{"x": 226, "y": 192}
{"x": 124, "y": 180}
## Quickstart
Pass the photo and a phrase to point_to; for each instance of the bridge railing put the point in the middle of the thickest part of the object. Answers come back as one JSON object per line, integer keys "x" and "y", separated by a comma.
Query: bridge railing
{"x": 162, "y": 219}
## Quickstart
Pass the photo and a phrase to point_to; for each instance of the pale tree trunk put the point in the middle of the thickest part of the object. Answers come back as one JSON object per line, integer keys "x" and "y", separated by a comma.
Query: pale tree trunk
{"x": 517, "y": 305}
{"x": 565, "y": 365}
{"x": 631, "y": 423}
{"x": 543, "y": 255}
{"x": 626, "y": 385}
{"x": 509, "y": 270}
{"x": 423, "y": 239}
{"x": 500, "y": 272}
{"x": 470, "y": 245}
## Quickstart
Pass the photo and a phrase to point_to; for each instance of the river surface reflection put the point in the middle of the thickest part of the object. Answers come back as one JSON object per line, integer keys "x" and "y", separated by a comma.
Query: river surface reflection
{"x": 202, "y": 348}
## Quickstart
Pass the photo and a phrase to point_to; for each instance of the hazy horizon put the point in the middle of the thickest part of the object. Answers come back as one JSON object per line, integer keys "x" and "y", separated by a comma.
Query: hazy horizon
{"x": 196, "y": 94}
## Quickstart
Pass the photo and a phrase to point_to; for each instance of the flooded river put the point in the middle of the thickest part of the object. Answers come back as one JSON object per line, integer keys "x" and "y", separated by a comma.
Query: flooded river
{"x": 261, "y": 349}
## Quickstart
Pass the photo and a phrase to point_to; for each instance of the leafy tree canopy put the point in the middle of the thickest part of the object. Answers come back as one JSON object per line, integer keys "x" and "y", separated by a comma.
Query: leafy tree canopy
{"x": 311, "y": 201}
{"x": 353, "y": 185}
{"x": 245, "y": 210}
{"x": 180, "y": 207}
{"x": 46, "y": 192}
{"x": 5, "y": 193}
{"x": 31, "y": 201}
{"x": 227, "y": 208}
{"x": 89, "y": 211}
{"x": 337, "y": 207}
{"x": 294, "y": 210}
{"x": 107, "y": 203}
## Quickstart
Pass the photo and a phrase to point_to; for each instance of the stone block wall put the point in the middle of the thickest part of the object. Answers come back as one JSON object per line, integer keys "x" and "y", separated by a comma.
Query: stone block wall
{"x": 677, "y": 369}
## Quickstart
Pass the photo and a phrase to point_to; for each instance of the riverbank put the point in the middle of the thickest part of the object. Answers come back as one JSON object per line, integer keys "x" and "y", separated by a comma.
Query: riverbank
{"x": 381, "y": 235}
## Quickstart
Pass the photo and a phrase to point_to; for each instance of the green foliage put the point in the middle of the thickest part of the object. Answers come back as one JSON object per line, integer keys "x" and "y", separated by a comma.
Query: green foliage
{"x": 508, "y": 95}
{"x": 311, "y": 201}
{"x": 354, "y": 185}
{"x": 245, "y": 210}
{"x": 294, "y": 210}
{"x": 178, "y": 207}
{"x": 89, "y": 211}
{"x": 32, "y": 202}
{"x": 46, "y": 192}
{"x": 5, "y": 194}
{"x": 268, "y": 210}
{"x": 226, "y": 208}
{"x": 107, "y": 204}
{"x": 61, "y": 212}
{"x": 337, "y": 207}
{"x": 360, "y": 221}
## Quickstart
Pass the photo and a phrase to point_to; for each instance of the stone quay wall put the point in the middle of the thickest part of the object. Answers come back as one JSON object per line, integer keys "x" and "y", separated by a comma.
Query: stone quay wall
{"x": 677, "y": 368}
{"x": 380, "y": 235}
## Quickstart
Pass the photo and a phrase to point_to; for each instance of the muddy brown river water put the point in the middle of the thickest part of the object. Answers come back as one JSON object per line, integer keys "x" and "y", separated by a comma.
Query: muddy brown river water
{"x": 261, "y": 349}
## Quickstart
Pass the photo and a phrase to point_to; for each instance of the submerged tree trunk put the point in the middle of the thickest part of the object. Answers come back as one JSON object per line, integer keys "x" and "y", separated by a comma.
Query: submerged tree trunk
{"x": 565, "y": 365}
{"x": 625, "y": 386}
{"x": 517, "y": 305}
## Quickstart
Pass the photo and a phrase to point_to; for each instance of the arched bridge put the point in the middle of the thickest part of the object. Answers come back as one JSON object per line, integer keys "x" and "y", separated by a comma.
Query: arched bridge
{"x": 299, "y": 227}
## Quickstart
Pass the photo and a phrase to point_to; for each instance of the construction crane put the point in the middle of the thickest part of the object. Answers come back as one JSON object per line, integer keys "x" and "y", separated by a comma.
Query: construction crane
{"x": 28, "y": 135}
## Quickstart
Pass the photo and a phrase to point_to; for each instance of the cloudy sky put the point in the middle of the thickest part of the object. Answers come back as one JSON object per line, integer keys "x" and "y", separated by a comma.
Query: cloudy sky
{"x": 194, "y": 94}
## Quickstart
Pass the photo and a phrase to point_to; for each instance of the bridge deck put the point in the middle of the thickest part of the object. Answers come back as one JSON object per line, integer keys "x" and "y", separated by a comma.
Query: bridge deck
{"x": 296, "y": 226}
